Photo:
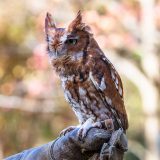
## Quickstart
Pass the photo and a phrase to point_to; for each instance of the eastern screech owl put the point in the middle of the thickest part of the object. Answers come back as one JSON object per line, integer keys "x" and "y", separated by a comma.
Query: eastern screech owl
{"x": 91, "y": 84}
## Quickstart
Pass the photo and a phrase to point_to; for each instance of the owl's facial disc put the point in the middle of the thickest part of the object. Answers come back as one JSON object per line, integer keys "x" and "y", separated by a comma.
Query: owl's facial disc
{"x": 71, "y": 41}
{"x": 62, "y": 43}
{"x": 56, "y": 40}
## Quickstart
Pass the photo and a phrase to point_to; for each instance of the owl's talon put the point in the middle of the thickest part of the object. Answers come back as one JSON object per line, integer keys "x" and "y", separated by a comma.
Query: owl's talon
{"x": 108, "y": 149}
{"x": 66, "y": 130}
{"x": 82, "y": 133}
{"x": 84, "y": 129}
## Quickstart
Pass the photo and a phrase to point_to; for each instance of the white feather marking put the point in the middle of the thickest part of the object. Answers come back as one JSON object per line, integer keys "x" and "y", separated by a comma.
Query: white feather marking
{"x": 50, "y": 39}
{"x": 67, "y": 95}
{"x": 109, "y": 101}
{"x": 82, "y": 91}
{"x": 70, "y": 78}
{"x": 63, "y": 84}
{"x": 93, "y": 80}
{"x": 90, "y": 112}
{"x": 63, "y": 78}
{"x": 116, "y": 80}
{"x": 83, "y": 107}
{"x": 105, "y": 59}
{"x": 79, "y": 115}
{"x": 77, "y": 56}
{"x": 63, "y": 38}
{"x": 113, "y": 111}
{"x": 116, "y": 85}
{"x": 102, "y": 85}
{"x": 120, "y": 90}
{"x": 87, "y": 100}
{"x": 113, "y": 75}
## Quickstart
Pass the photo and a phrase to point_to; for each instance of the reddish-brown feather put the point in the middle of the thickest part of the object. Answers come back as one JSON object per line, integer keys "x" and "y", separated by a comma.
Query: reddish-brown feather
{"x": 111, "y": 91}
{"x": 91, "y": 84}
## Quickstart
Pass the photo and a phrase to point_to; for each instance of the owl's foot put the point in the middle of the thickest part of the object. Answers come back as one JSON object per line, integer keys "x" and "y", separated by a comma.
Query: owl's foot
{"x": 117, "y": 140}
{"x": 66, "y": 130}
{"x": 84, "y": 128}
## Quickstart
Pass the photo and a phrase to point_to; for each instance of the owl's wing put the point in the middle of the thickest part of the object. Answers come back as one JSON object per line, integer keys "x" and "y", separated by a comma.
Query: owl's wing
{"x": 108, "y": 83}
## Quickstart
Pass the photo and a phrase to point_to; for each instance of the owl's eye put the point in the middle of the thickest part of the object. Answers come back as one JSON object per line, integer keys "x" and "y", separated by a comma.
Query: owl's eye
{"x": 71, "y": 41}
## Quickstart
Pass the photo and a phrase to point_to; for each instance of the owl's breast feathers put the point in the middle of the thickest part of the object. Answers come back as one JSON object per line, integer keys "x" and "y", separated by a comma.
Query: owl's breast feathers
{"x": 102, "y": 75}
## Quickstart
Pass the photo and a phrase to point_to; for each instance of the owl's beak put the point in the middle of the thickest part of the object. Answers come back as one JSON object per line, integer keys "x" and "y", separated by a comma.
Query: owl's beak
{"x": 58, "y": 50}
{"x": 56, "y": 53}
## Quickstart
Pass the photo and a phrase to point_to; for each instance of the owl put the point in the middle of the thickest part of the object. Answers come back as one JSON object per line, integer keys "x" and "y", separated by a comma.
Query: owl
{"x": 90, "y": 82}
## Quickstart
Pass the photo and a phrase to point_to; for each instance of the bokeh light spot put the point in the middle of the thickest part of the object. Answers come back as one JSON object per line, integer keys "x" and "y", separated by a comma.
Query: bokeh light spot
{"x": 18, "y": 71}
{"x": 1, "y": 72}
{"x": 7, "y": 88}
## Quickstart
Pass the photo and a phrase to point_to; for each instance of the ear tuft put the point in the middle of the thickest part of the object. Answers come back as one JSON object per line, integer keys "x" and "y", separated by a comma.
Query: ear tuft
{"x": 77, "y": 24}
{"x": 49, "y": 22}
{"x": 79, "y": 16}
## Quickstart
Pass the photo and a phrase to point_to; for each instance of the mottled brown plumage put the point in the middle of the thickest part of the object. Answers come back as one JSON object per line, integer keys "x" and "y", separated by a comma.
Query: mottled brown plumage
{"x": 91, "y": 84}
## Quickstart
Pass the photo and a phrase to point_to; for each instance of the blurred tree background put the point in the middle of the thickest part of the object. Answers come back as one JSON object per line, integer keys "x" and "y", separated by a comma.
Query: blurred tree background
{"x": 32, "y": 106}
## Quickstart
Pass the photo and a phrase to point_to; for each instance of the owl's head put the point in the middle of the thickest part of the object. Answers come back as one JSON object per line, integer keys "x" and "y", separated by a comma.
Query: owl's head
{"x": 71, "y": 41}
